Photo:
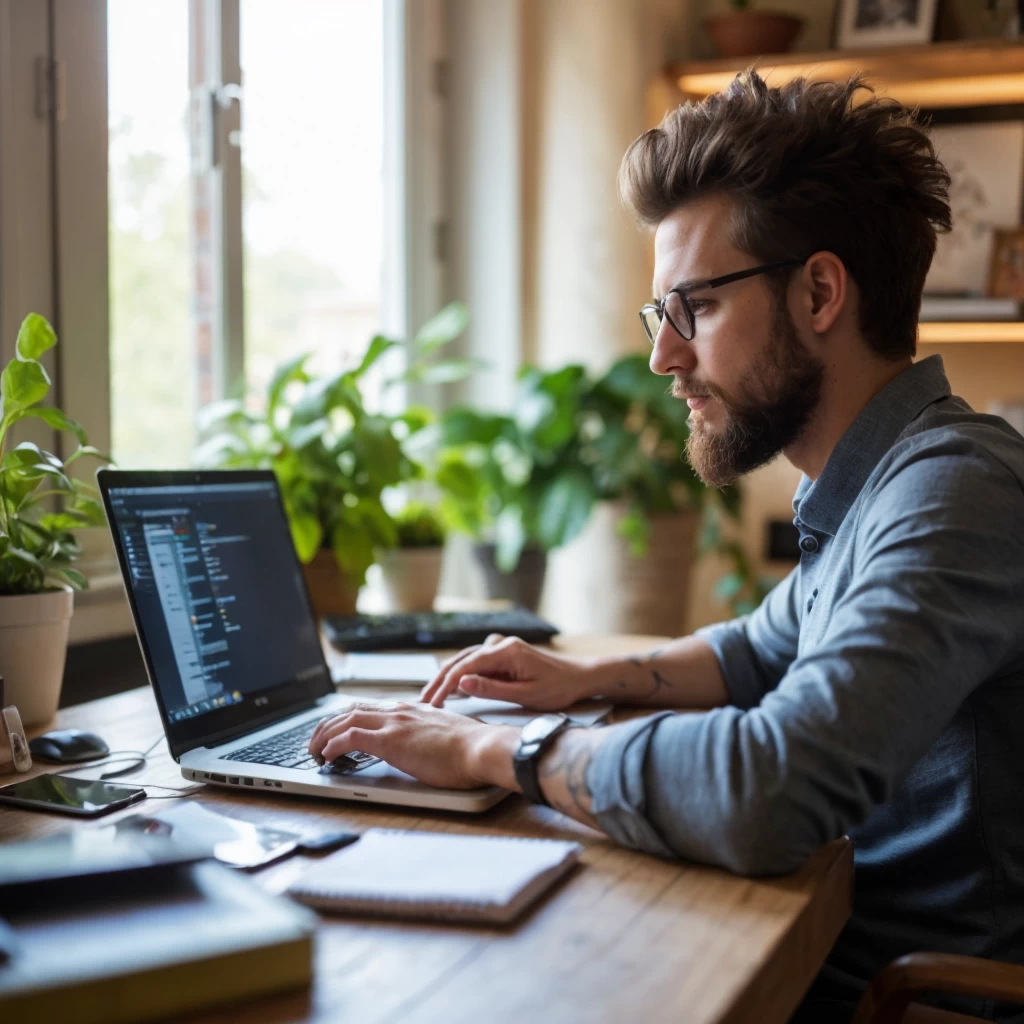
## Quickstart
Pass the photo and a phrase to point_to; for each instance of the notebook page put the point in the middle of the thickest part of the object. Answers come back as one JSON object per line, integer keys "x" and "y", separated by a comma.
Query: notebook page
{"x": 389, "y": 865}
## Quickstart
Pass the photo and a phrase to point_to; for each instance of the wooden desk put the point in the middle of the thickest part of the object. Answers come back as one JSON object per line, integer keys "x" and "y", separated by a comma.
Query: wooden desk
{"x": 628, "y": 937}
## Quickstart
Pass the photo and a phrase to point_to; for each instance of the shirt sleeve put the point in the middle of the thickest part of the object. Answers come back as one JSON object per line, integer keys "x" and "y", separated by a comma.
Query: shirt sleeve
{"x": 932, "y": 611}
{"x": 755, "y": 650}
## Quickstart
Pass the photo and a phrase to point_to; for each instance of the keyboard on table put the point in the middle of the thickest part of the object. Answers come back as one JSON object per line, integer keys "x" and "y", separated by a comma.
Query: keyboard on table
{"x": 405, "y": 630}
{"x": 291, "y": 750}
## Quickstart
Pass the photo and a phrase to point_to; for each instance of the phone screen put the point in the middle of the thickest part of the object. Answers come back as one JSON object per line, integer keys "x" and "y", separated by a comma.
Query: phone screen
{"x": 68, "y": 795}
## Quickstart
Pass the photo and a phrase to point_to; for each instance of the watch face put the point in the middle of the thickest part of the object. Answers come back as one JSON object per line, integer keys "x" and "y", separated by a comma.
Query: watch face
{"x": 537, "y": 728}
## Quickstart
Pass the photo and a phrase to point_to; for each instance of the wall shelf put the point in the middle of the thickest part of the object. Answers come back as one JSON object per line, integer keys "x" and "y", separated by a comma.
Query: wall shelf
{"x": 936, "y": 332}
{"x": 956, "y": 74}
{"x": 952, "y": 74}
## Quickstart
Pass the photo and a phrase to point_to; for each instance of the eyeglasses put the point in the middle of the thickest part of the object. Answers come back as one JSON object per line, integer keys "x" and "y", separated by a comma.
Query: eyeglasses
{"x": 676, "y": 308}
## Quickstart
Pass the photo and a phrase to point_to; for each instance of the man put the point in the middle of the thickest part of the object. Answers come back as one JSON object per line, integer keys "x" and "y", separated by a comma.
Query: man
{"x": 879, "y": 689}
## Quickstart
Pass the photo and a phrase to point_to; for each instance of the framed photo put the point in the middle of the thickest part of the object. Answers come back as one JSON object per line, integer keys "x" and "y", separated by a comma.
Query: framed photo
{"x": 868, "y": 23}
{"x": 1006, "y": 280}
{"x": 983, "y": 150}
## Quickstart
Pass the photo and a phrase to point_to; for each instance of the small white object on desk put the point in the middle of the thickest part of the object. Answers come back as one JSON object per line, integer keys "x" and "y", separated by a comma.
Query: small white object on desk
{"x": 387, "y": 670}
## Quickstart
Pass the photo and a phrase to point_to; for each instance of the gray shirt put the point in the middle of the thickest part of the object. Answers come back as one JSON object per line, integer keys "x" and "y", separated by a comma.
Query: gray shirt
{"x": 877, "y": 692}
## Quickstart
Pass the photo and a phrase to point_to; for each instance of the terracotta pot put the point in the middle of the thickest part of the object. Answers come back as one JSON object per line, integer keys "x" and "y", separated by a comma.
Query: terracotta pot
{"x": 752, "y": 33}
{"x": 600, "y": 586}
{"x": 33, "y": 646}
{"x": 411, "y": 577}
{"x": 330, "y": 591}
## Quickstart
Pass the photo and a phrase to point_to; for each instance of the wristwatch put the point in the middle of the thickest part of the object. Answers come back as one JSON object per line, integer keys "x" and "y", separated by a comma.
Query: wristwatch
{"x": 537, "y": 736}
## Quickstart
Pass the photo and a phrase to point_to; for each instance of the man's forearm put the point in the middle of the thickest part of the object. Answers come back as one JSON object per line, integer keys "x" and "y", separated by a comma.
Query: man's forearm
{"x": 562, "y": 770}
{"x": 682, "y": 674}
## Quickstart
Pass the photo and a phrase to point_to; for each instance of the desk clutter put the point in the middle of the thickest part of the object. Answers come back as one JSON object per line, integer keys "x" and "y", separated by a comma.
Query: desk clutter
{"x": 104, "y": 929}
{"x": 144, "y": 919}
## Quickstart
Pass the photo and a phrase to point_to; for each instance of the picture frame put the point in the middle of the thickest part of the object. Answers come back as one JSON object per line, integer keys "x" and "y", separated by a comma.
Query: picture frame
{"x": 983, "y": 150}
{"x": 1006, "y": 275}
{"x": 864, "y": 24}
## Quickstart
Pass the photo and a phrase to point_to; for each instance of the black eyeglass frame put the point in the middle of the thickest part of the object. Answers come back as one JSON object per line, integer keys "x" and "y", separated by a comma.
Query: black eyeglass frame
{"x": 714, "y": 282}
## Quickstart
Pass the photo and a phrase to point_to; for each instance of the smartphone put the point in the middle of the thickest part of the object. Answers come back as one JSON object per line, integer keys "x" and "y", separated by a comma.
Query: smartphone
{"x": 84, "y": 798}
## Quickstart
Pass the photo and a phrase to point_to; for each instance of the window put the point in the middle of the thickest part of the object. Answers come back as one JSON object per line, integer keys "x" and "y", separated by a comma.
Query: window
{"x": 152, "y": 358}
{"x": 312, "y": 181}
{"x": 307, "y": 201}
{"x": 245, "y": 219}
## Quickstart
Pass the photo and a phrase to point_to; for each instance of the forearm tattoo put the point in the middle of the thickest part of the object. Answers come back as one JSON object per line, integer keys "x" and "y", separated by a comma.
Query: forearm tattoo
{"x": 657, "y": 680}
{"x": 563, "y": 775}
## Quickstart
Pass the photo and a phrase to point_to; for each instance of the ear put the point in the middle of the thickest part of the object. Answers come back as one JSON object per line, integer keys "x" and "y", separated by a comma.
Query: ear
{"x": 826, "y": 285}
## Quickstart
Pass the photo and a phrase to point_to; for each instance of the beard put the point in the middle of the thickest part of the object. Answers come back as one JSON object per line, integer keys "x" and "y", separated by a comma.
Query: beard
{"x": 776, "y": 401}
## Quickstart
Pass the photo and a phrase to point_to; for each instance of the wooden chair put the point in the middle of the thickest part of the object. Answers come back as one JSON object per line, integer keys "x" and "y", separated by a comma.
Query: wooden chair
{"x": 888, "y": 999}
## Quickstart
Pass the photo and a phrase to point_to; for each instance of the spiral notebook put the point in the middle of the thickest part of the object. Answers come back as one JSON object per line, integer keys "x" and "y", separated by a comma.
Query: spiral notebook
{"x": 437, "y": 875}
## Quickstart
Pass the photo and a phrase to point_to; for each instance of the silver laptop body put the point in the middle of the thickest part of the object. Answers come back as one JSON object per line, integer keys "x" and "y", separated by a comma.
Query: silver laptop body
{"x": 230, "y": 642}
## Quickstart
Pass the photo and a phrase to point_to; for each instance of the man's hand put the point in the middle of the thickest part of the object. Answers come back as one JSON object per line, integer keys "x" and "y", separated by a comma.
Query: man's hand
{"x": 437, "y": 747}
{"x": 507, "y": 668}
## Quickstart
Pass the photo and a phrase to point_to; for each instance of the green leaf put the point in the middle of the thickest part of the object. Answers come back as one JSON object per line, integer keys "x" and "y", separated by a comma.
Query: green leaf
{"x": 56, "y": 419}
{"x": 34, "y": 337}
{"x": 563, "y": 509}
{"x": 635, "y": 528}
{"x": 23, "y": 556}
{"x": 510, "y": 537}
{"x": 70, "y": 576}
{"x": 416, "y": 417}
{"x": 442, "y": 328}
{"x": 299, "y": 437}
{"x": 378, "y": 346}
{"x": 307, "y": 536}
{"x": 23, "y": 384}
{"x": 288, "y": 371}
{"x": 462, "y": 425}
{"x": 58, "y": 521}
{"x": 87, "y": 450}
{"x": 29, "y": 454}
{"x": 631, "y": 379}
{"x": 446, "y": 372}
{"x": 90, "y": 508}
{"x": 225, "y": 411}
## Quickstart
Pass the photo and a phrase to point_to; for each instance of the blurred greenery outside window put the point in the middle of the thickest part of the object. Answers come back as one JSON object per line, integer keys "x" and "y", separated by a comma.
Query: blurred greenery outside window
{"x": 312, "y": 192}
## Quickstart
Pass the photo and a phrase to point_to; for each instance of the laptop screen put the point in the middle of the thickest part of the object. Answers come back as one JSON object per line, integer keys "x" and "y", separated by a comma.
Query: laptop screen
{"x": 217, "y": 591}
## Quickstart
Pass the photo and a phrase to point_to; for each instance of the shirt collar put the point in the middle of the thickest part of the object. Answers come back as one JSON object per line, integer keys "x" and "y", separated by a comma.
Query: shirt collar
{"x": 822, "y": 504}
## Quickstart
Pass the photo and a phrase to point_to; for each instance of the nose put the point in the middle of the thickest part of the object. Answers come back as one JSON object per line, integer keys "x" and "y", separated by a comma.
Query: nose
{"x": 672, "y": 353}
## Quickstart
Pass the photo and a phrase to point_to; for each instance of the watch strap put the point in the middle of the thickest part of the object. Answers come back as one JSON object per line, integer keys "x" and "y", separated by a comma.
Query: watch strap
{"x": 527, "y": 759}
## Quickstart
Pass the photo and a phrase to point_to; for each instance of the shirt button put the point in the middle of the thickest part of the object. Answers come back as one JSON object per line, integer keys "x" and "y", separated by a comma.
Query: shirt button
{"x": 808, "y": 544}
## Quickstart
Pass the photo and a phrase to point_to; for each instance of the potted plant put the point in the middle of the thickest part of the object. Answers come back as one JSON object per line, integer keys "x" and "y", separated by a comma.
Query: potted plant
{"x": 514, "y": 482}
{"x": 601, "y": 457}
{"x": 649, "y": 503}
{"x": 333, "y": 457}
{"x": 41, "y": 505}
{"x": 411, "y": 570}
{"x": 742, "y": 32}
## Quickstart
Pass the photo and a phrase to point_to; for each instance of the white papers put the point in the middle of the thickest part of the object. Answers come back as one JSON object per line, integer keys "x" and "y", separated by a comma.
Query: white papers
{"x": 387, "y": 670}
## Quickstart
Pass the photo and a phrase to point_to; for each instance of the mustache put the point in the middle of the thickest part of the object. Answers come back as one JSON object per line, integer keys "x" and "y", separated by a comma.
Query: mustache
{"x": 690, "y": 389}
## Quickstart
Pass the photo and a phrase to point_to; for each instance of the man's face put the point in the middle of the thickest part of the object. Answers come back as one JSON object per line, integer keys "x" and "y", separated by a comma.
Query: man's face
{"x": 750, "y": 382}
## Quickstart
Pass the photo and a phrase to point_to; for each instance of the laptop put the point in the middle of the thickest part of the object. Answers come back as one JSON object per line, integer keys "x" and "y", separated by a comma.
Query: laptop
{"x": 230, "y": 641}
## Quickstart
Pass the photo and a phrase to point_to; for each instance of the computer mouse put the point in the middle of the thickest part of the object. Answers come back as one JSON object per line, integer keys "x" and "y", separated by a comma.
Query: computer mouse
{"x": 63, "y": 746}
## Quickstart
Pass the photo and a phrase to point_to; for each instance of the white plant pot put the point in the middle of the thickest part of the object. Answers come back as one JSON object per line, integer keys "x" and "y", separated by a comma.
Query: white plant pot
{"x": 33, "y": 646}
{"x": 411, "y": 577}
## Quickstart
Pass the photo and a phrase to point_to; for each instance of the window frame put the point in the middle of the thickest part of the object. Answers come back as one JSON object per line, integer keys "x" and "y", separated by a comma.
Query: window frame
{"x": 56, "y": 174}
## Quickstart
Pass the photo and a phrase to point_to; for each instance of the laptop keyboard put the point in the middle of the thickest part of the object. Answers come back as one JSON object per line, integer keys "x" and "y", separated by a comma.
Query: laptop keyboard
{"x": 291, "y": 750}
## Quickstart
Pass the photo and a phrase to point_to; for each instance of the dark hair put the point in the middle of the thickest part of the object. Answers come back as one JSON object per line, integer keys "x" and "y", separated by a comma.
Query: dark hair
{"x": 809, "y": 171}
